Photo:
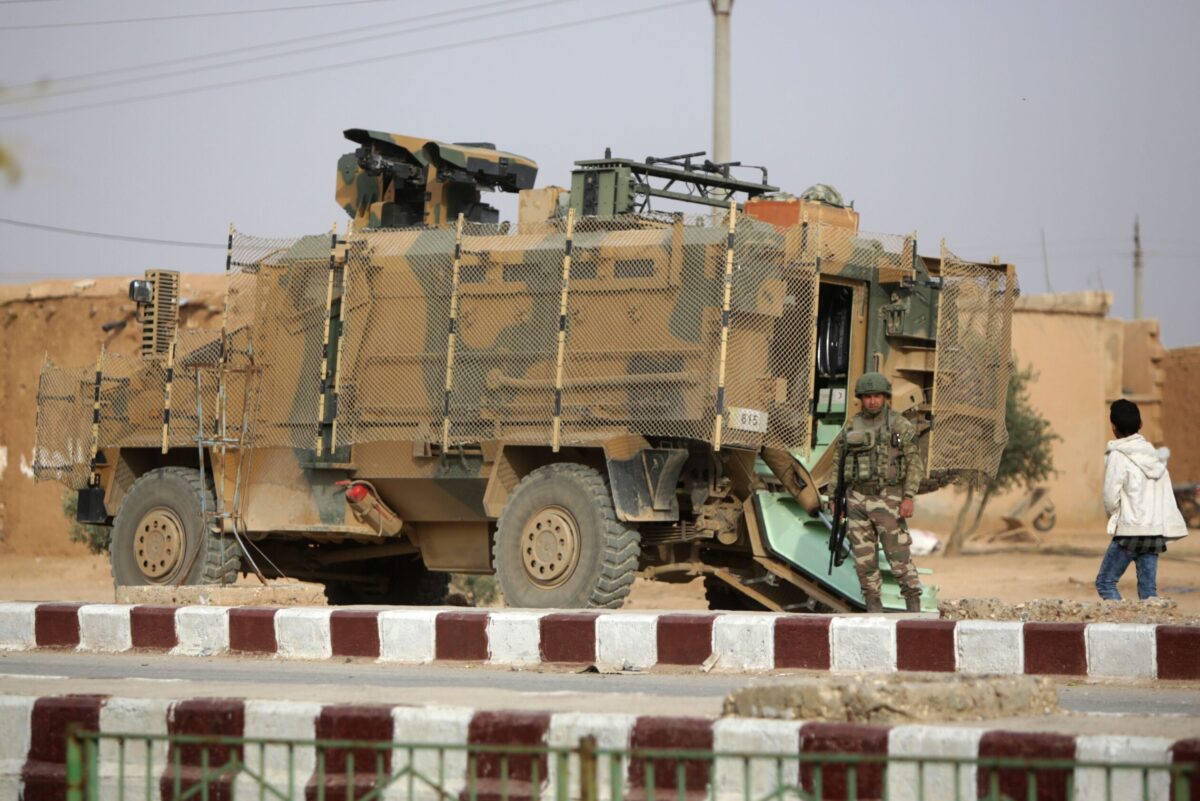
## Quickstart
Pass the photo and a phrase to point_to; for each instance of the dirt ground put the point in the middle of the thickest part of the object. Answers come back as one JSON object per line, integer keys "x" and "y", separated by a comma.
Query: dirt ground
{"x": 1010, "y": 577}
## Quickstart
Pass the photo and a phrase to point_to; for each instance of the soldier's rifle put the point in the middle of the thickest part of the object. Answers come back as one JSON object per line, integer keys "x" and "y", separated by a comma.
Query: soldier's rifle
{"x": 837, "y": 530}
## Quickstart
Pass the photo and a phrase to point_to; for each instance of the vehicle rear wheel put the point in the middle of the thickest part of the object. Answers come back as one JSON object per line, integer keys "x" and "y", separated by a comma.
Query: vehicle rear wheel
{"x": 559, "y": 543}
{"x": 160, "y": 534}
{"x": 397, "y": 581}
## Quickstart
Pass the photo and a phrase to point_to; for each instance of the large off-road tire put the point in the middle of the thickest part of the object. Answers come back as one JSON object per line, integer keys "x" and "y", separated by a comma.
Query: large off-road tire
{"x": 397, "y": 581}
{"x": 160, "y": 534}
{"x": 559, "y": 543}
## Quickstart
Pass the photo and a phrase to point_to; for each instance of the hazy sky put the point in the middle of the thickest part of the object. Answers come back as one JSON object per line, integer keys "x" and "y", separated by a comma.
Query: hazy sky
{"x": 980, "y": 122}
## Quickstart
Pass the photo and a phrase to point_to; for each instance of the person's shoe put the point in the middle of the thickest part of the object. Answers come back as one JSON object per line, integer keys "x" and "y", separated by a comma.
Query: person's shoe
{"x": 873, "y": 603}
{"x": 912, "y": 603}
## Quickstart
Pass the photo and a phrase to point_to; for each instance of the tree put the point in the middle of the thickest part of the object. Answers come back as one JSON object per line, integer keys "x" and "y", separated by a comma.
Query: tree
{"x": 1027, "y": 458}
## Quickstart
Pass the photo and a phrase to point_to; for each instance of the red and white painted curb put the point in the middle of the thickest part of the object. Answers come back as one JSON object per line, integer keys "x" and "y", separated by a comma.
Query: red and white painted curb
{"x": 623, "y": 640}
{"x": 32, "y": 750}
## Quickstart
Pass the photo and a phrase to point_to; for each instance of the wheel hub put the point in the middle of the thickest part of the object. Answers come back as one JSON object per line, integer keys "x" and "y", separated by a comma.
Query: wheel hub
{"x": 550, "y": 547}
{"x": 158, "y": 544}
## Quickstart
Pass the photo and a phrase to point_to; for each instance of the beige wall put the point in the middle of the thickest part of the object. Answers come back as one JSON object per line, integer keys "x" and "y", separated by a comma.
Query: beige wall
{"x": 1071, "y": 348}
{"x": 1181, "y": 423}
{"x": 1076, "y": 353}
{"x": 1142, "y": 374}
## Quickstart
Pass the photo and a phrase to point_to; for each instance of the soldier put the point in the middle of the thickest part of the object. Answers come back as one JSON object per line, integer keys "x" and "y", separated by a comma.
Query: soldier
{"x": 883, "y": 471}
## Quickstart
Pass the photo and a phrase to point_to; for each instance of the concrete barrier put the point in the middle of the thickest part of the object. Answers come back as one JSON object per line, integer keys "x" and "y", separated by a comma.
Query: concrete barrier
{"x": 733, "y": 642}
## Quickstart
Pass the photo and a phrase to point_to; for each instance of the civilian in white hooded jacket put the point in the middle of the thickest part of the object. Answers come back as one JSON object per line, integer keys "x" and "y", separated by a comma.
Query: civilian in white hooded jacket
{"x": 1139, "y": 502}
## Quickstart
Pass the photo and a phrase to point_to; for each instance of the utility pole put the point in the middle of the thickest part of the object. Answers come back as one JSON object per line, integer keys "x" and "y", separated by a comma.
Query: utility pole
{"x": 1137, "y": 269}
{"x": 722, "y": 10}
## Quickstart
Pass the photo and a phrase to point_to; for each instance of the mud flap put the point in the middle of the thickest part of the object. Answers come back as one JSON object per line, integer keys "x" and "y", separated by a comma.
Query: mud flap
{"x": 643, "y": 485}
{"x": 802, "y": 542}
{"x": 89, "y": 506}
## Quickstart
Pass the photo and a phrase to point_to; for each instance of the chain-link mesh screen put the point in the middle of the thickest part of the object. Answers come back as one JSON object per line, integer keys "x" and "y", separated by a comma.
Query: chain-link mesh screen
{"x": 195, "y": 385}
{"x": 131, "y": 401}
{"x": 641, "y": 351}
{"x": 643, "y": 333}
{"x": 509, "y": 294}
{"x": 973, "y": 361}
{"x": 63, "y": 446}
{"x": 286, "y": 341}
{"x": 242, "y": 372}
{"x": 878, "y": 257}
{"x": 397, "y": 316}
{"x": 771, "y": 339}
{"x": 643, "y": 322}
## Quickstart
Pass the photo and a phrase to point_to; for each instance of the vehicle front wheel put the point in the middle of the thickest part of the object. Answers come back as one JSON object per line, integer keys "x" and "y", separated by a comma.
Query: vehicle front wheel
{"x": 161, "y": 533}
{"x": 559, "y": 543}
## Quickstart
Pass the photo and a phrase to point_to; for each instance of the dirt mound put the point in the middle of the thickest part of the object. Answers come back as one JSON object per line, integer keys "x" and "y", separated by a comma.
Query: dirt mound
{"x": 894, "y": 699}
{"x": 1055, "y": 610}
{"x": 276, "y": 593}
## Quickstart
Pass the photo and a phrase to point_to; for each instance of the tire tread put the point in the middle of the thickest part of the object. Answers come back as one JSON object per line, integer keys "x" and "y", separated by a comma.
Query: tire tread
{"x": 621, "y": 546}
{"x": 221, "y": 554}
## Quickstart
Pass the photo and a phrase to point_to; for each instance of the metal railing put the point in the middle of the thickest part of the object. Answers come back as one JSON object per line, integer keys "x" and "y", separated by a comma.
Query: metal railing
{"x": 180, "y": 767}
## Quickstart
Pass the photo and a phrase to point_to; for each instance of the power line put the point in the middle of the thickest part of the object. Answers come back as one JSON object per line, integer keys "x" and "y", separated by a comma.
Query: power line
{"x": 26, "y": 87}
{"x": 141, "y": 240}
{"x": 196, "y": 15}
{"x": 353, "y": 63}
{"x": 287, "y": 53}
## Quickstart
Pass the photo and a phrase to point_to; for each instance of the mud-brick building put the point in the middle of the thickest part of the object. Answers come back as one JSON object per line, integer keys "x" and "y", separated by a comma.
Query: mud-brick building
{"x": 1181, "y": 418}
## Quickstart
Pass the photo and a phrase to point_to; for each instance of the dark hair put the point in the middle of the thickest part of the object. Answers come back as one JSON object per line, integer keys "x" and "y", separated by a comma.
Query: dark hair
{"x": 1125, "y": 416}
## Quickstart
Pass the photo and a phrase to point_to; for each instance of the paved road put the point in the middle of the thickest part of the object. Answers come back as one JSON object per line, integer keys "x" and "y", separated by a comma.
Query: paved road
{"x": 1125, "y": 708}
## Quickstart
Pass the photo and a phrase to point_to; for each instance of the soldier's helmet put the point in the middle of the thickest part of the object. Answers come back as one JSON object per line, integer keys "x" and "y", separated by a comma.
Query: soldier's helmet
{"x": 871, "y": 384}
{"x": 824, "y": 193}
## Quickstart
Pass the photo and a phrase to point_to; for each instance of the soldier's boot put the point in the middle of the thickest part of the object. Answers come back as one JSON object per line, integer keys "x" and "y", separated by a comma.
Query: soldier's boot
{"x": 912, "y": 603}
{"x": 874, "y": 604}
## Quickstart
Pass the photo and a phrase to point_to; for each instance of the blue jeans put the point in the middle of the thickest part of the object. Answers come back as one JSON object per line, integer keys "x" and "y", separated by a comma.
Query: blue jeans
{"x": 1116, "y": 560}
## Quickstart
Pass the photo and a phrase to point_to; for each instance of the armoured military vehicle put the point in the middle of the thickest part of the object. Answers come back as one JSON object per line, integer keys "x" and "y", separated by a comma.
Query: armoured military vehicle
{"x": 566, "y": 401}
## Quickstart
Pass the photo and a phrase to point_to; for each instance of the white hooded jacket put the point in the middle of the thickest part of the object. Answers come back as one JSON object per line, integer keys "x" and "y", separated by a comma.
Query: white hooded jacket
{"x": 1137, "y": 491}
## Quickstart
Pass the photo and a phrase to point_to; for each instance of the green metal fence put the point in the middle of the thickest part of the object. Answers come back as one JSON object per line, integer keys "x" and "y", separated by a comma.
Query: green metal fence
{"x": 210, "y": 768}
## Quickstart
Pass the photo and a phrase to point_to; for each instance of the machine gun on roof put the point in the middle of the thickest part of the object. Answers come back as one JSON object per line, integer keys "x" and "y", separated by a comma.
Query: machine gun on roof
{"x": 610, "y": 186}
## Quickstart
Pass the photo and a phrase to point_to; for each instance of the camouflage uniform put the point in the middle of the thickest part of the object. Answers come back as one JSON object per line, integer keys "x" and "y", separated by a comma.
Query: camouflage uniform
{"x": 893, "y": 472}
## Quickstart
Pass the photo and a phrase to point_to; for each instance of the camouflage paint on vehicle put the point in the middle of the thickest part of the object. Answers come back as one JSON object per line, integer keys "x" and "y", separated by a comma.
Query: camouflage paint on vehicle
{"x": 332, "y": 364}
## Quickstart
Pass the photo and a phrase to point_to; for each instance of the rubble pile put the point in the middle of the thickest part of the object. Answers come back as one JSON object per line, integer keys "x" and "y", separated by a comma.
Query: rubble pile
{"x": 275, "y": 593}
{"x": 896, "y": 699}
{"x": 1057, "y": 610}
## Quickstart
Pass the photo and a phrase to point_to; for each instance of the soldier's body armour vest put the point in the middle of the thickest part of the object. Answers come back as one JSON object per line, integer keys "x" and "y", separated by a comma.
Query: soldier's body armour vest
{"x": 873, "y": 454}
